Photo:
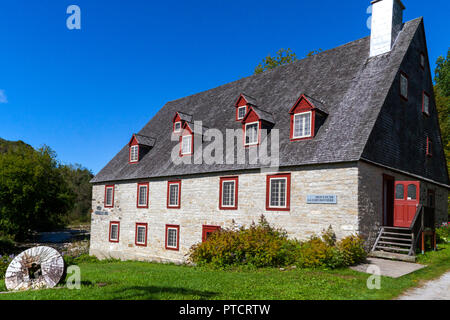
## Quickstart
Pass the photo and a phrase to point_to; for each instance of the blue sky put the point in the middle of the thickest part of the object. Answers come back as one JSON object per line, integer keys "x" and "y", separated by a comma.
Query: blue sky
{"x": 84, "y": 92}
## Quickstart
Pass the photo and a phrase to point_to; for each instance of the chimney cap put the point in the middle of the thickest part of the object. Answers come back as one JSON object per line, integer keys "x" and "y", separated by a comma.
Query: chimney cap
{"x": 399, "y": 1}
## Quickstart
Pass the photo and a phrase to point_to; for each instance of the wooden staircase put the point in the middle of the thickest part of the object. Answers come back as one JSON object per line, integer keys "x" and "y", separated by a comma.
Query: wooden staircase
{"x": 395, "y": 243}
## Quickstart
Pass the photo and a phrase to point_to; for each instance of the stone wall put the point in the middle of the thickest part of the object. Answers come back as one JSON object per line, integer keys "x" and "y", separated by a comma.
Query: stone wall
{"x": 200, "y": 206}
{"x": 370, "y": 200}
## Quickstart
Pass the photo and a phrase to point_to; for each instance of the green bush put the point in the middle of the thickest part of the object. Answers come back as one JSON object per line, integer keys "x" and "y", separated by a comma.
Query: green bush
{"x": 261, "y": 245}
{"x": 6, "y": 245}
{"x": 5, "y": 260}
{"x": 443, "y": 234}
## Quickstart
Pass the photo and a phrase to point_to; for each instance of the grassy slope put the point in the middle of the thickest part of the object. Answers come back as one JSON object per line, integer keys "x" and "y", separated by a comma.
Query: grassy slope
{"x": 141, "y": 280}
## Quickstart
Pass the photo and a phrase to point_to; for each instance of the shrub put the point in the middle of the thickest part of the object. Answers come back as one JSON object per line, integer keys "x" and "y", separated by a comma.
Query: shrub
{"x": 352, "y": 250}
{"x": 5, "y": 260}
{"x": 443, "y": 234}
{"x": 260, "y": 245}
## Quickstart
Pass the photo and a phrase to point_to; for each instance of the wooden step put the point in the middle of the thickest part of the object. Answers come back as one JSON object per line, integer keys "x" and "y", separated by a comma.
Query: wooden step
{"x": 396, "y": 228}
{"x": 398, "y": 239}
{"x": 392, "y": 256}
{"x": 391, "y": 249}
{"x": 396, "y": 244}
{"x": 398, "y": 234}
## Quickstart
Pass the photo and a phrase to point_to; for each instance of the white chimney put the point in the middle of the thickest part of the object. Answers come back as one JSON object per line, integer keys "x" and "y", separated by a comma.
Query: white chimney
{"x": 387, "y": 21}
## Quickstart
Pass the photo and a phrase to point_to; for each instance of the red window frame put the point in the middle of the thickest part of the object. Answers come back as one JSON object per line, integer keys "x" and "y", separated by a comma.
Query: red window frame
{"x": 407, "y": 85}
{"x": 241, "y": 102}
{"x": 424, "y": 93}
{"x": 208, "y": 229}
{"x": 236, "y": 192}
{"x": 139, "y": 224}
{"x": 173, "y": 226}
{"x": 302, "y": 105}
{"x": 313, "y": 116}
{"x": 146, "y": 184}
{"x": 111, "y": 186}
{"x": 179, "y": 194}
{"x": 111, "y": 223}
{"x": 288, "y": 192}
{"x": 429, "y": 147}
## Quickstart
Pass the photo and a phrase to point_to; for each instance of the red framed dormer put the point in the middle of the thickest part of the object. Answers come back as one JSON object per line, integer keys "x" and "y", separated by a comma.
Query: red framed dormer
{"x": 306, "y": 118}
{"x": 241, "y": 106}
{"x": 133, "y": 150}
{"x": 186, "y": 140}
{"x": 178, "y": 121}
{"x": 255, "y": 120}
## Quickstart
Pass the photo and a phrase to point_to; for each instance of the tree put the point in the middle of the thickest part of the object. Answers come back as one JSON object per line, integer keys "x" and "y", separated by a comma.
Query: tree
{"x": 77, "y": 179}
{"x": 282, "y": 57}
{"x": 33, "y": 194}
{"x": 442, "y": 95}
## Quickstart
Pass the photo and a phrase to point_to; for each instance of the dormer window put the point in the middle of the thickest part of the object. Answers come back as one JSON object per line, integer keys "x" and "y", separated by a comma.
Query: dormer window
{"x": 307, "y": 115}
{"x": 241, "y": 112}
{"x": 186, "y": 145}
{"x": 251, "y": 133}
{"x": 177, "y": 126}
{"x": 302, "y": 125}
{"x": 134, "y": 153}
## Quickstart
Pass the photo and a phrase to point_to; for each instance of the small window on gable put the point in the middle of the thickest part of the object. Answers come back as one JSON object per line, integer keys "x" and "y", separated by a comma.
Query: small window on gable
{"x": 426, "y": 103}
{"x": 109, "y": 196}
{"x": 134, "y": 153}
{"x": 241, "y": 112}
{"x": 114, "y": 229}
{"x": 172, "y": 237}
{"x": 422, "y": 60}
{"x": 429, "y": 147}
{"x": 142, "y": 195}
{"x": 404, "y": 86}
{"x": 251, "y": 133}
{"x": 177, "y": 126}
{"x": 302, "y": 125}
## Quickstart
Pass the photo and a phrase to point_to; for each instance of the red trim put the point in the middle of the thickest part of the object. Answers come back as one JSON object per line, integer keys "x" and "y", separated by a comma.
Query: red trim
{"x": 236, "y": 187}
{"x": 186, "y": 131}
{"x": 179, "y": 194}
{"x": 136, "y": 234}
{"x": 288, "y": 191}
{"x": 208, "y": 229}
{"x": 424, "y": 93}
{"x": 104, "y": 202}
{"x": 173, "y": 226}
{"x": 133, "y": 142}
{"x": 237, "y": 112}
{"x": 138, "y": 193}
{"x": 407, "y": 85}
{"x": 307, "y": 106}
{"x": 118, "y": 231}
{"x": 429, "y": 147}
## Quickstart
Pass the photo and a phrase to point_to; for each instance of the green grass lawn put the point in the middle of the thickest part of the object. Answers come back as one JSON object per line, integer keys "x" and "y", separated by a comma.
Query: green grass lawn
{"x": 143, "y": 280}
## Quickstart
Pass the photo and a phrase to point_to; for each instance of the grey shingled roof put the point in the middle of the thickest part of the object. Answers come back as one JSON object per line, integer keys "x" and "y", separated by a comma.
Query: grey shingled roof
{"x": 145, "y": 140}
{"x": 263, "y": 115}
{"x": 351, "y": 85}
{"x": 250, "y": 100}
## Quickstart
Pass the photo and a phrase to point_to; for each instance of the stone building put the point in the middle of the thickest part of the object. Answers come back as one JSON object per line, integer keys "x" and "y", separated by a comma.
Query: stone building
{"x": 353, "y": 138}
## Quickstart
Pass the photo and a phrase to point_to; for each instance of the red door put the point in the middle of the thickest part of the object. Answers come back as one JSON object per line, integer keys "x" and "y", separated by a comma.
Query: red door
{"x": 406, "y": 202}
{"x": 207, "y": 230}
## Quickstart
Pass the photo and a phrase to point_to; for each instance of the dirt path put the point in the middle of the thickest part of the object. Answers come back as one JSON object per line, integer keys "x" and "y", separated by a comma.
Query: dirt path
{"x": 438, "y": 289}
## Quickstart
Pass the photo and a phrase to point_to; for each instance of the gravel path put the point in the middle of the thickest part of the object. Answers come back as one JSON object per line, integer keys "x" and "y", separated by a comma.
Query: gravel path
{"x": 438, "y": 289}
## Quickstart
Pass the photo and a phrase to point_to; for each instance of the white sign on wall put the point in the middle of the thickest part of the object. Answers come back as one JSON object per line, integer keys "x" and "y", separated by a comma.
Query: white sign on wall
{"x": 321, "y": 198}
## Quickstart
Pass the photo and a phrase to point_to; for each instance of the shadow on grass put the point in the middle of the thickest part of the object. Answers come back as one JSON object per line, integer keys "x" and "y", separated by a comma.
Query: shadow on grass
{"x": 155, "y": 293}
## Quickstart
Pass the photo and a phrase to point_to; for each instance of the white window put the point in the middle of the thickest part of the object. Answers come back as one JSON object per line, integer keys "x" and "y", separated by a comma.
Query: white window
{"x": 302, "y": 125}
{"x": 177, "y": 126}
{"x": 277, "y": 192}
{"x": 174, "y": 194}
{"x": 114, "y": 232}
{"x": 134, "y": 153}
{"x": 403, "y": 86}
{"x": 142, "y": 194}
{"x": 251, "y": 133}
{"x": 172, "y": 237}
{"x": 241, "y": 112}
{"x": 186, "y": 144}
{"x": 228, "y": 192}
{"x": 109, "y": 196}
{"x": 141, "y": 234}
{"x": 426, "y": 103}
